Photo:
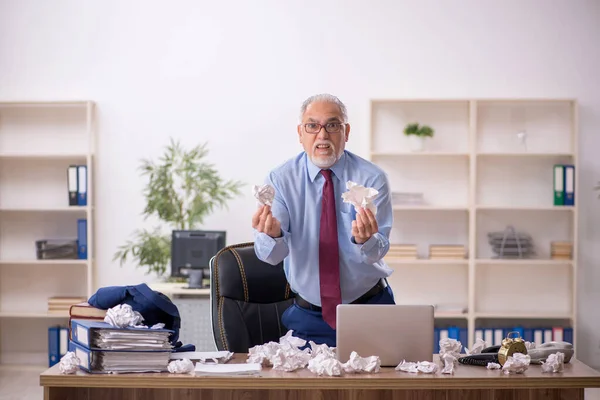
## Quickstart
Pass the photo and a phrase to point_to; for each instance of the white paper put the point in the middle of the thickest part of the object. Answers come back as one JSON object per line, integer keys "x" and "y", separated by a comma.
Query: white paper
{"x": 122, "y": 315}
{"x": 204, "y": 356}
{"x": 449, "y": 354}
{"x": 183, "y": 366}
{"x": 227, "y": 369}
{"x": 554, "y": 363}
{"x": 477, "y": 347}
{"x": 425, "y": 367}
{"x": 69, "y": 363}
{"x": 360, "y": 196}
{"x": 264, "y": 194}
{"x": 516, "y": 364}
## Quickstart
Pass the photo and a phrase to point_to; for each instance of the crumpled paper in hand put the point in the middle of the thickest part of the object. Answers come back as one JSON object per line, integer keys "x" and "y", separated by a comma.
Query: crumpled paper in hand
{"x": 477, "y": 347}
{"x": 360, "y": 196}
{"x": 182, "y": 366}
{"x": 554, "y": 362}
{"x": 425, "y": 367}
{"x": 69, "y": 363}
{"x": 516, "y": 364}
{"x": 122, "y": 315}
{"x": 449, "y": 354}
{"x": 264, "y": 194}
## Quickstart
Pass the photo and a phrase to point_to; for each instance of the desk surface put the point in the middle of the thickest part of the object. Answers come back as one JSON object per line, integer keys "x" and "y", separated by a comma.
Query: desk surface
{"x": 170, "y": 289}
{"x": 575, "y": 375}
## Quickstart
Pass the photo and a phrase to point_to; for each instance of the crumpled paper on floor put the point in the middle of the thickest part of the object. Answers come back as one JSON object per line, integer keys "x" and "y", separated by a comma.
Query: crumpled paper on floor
{"x": 449, "y": 354}
{"x": 181, "y": 366}
{"x": 425, "y": 367}
{"x": 317, "y": 358}
{"x": 516, "y": 364}
{"x": 360, "y": 196}
{"x": 69, "y": 363}
{"x": 554, "y": 363}
{"x": 264, "y": 194}
{"x": 122, "y": 315}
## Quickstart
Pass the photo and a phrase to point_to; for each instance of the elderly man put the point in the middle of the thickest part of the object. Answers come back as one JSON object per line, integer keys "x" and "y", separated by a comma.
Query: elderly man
{"x": 332, "y": 254}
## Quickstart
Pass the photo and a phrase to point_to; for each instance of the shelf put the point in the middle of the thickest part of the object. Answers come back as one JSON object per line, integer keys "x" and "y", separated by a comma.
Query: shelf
{"x": 449, "y": 315}
{"x": 42, "y": 156}
{"x": 517, "y": 315}
{"x": 490, "y": 261}
{"x": 60, "y": 103}
{"x": 44, "y": 262}
{"x": 71, "y": 209}
{"x": 428, "y": 208}
{"x": 524, "y": 154}
{"x": 9, "y": 314}
{"x": 420, "y": 154}
{"x": 524, "y": 208}
{"x": 424, "y": 261}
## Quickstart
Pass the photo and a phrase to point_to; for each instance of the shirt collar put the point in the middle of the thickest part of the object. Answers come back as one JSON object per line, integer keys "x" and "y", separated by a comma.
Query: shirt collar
{"x": 337, "y": 168}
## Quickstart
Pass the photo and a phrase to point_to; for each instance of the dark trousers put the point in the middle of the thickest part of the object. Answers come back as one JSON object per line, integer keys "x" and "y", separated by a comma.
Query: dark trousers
{"x": 309, "y": 324}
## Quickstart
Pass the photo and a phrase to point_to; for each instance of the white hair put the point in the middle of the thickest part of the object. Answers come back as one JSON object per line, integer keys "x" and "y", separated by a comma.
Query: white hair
{"x": 329, "y": 98}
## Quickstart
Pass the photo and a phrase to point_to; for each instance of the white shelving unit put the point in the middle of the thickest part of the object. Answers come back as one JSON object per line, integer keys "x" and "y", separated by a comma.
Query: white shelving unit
{"x": 38, "y": 141}
{"x": 476, "y": 177}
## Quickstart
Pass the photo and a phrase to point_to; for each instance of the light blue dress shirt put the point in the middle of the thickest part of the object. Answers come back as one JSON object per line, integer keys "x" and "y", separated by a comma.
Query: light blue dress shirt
{"x": 298, "y": 187}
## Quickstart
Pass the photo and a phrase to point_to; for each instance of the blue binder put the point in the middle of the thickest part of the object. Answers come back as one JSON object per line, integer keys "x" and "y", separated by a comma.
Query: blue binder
{"x": 82, "y": 185}
{"x": 82, "y": 239}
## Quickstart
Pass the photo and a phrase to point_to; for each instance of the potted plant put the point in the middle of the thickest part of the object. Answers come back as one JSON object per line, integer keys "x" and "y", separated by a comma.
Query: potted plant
{"x": 182, "y": 189}
{"x": 417, "y": 134}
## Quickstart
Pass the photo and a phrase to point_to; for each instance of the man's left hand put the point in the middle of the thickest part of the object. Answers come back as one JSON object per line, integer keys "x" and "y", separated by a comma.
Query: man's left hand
{"x": 364, "y": 226}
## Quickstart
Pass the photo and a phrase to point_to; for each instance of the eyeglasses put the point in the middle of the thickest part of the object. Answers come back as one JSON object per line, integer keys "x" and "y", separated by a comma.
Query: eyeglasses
{"x": 330, "y": 127}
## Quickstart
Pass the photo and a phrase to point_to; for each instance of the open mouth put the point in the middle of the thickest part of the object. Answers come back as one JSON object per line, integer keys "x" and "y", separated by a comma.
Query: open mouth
{"x": 323, "y": 148}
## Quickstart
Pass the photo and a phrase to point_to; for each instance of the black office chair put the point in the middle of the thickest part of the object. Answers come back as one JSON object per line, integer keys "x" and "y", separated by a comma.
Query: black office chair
{"x": 248, "y": 297}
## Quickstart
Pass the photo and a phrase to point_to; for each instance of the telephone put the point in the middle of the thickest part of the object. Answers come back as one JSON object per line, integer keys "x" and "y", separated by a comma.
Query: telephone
{"x": 487, "y": 355}
{"x": 541, "y": 352}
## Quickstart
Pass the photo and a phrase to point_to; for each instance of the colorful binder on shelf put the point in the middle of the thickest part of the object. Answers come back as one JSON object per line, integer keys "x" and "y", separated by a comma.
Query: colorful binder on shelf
{"x": 81, "y": 185}
{"x": 58, "y": 343}
{"x": 82, "y": 239}
{"x": 564, "y": 185}
{"x": 72, "y": 184}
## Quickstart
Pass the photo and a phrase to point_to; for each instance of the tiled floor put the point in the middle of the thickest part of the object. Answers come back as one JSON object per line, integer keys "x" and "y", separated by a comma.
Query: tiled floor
{"x": 23, "y": 383}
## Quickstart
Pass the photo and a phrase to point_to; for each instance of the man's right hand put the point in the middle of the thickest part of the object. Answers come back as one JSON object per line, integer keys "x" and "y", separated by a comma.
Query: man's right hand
{"x": 264, "y": 221}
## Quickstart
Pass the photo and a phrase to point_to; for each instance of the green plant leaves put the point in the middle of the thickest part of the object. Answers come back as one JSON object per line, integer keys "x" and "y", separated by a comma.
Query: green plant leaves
{"x": 415, "y": 129}
{"x": 182, "y": 190}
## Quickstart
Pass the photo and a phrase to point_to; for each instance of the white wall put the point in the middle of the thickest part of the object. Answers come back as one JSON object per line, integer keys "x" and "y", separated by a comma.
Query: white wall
{"x": 235, "y": 73}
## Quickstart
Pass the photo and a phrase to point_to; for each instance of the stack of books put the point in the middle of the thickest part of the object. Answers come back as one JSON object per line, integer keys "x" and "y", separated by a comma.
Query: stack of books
{"x": 83, "y": 310}
{"x": 61, "y": 305}
{"x": 561, "y": 250}
{"x": 103, "y": 348}
{"x": 447, "y": 252}
{"x": 402, "y": 252}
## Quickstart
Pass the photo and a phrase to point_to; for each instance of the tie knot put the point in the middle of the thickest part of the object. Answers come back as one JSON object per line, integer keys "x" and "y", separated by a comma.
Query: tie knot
{"x": 327, "y": 174}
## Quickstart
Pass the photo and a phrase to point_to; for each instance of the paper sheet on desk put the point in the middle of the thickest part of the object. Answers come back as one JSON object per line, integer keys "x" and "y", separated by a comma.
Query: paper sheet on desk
{"x": 228, "y": 369}
{"x": 203, "y": 356}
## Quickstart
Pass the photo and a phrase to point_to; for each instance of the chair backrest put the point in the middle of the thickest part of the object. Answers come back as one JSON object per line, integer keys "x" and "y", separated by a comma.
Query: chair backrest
{"x": 248, "y": 297}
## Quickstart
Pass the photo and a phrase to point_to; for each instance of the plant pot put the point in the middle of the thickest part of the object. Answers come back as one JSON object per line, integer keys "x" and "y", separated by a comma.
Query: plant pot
{"x": 416, "y": 143}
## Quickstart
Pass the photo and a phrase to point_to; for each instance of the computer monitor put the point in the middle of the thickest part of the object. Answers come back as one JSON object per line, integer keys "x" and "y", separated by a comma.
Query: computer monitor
{"x": 191, "y": 251}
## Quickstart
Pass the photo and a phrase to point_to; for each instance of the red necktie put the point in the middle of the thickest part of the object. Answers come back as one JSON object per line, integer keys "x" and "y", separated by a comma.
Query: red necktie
{"x": 329, "y": 257}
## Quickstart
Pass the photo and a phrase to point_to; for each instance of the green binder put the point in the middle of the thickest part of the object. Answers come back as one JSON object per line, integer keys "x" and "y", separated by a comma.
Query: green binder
{"x": 559, "y": 185}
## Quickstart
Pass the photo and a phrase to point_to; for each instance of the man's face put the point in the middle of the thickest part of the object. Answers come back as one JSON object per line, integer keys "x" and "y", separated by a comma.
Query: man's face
{"x": 323, "y": 148}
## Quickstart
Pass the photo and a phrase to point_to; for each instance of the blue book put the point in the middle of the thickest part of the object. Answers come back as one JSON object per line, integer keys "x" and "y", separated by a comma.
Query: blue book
{"x": 82, "y": 239}
{"x": 100, "y": 335}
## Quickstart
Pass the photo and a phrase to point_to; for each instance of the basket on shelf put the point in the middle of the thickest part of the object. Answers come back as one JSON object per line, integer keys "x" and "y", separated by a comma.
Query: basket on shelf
{"x": 511, "y": 244}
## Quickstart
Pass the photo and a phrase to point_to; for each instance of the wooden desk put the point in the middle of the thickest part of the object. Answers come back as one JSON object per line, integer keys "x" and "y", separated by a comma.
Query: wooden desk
{"x": 467, "y": 383}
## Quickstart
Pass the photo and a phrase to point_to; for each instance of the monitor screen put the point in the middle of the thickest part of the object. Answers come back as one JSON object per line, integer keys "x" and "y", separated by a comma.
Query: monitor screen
{"x": 193, "y": 249}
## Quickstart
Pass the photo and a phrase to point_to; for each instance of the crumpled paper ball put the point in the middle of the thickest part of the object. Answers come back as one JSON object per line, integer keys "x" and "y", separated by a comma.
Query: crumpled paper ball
{"x": 181, "y": 366}
{"x": 360, "y": 196}
{"x": 357, "y": 363}
{"x": 516, "y": 364}
{"x": 122, "y": 316}
{"x": 264, "y": 194}
{"x": 425, "y": 367}
{"x": 554, "y": 363}
{"x": 449, "y": 354}
{"x": 477, "y": 347}
{"x": 69, "y": 363}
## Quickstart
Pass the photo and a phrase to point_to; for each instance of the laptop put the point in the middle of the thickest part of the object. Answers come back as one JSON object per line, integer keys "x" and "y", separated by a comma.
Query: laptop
{"x": 392, "y": 332}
